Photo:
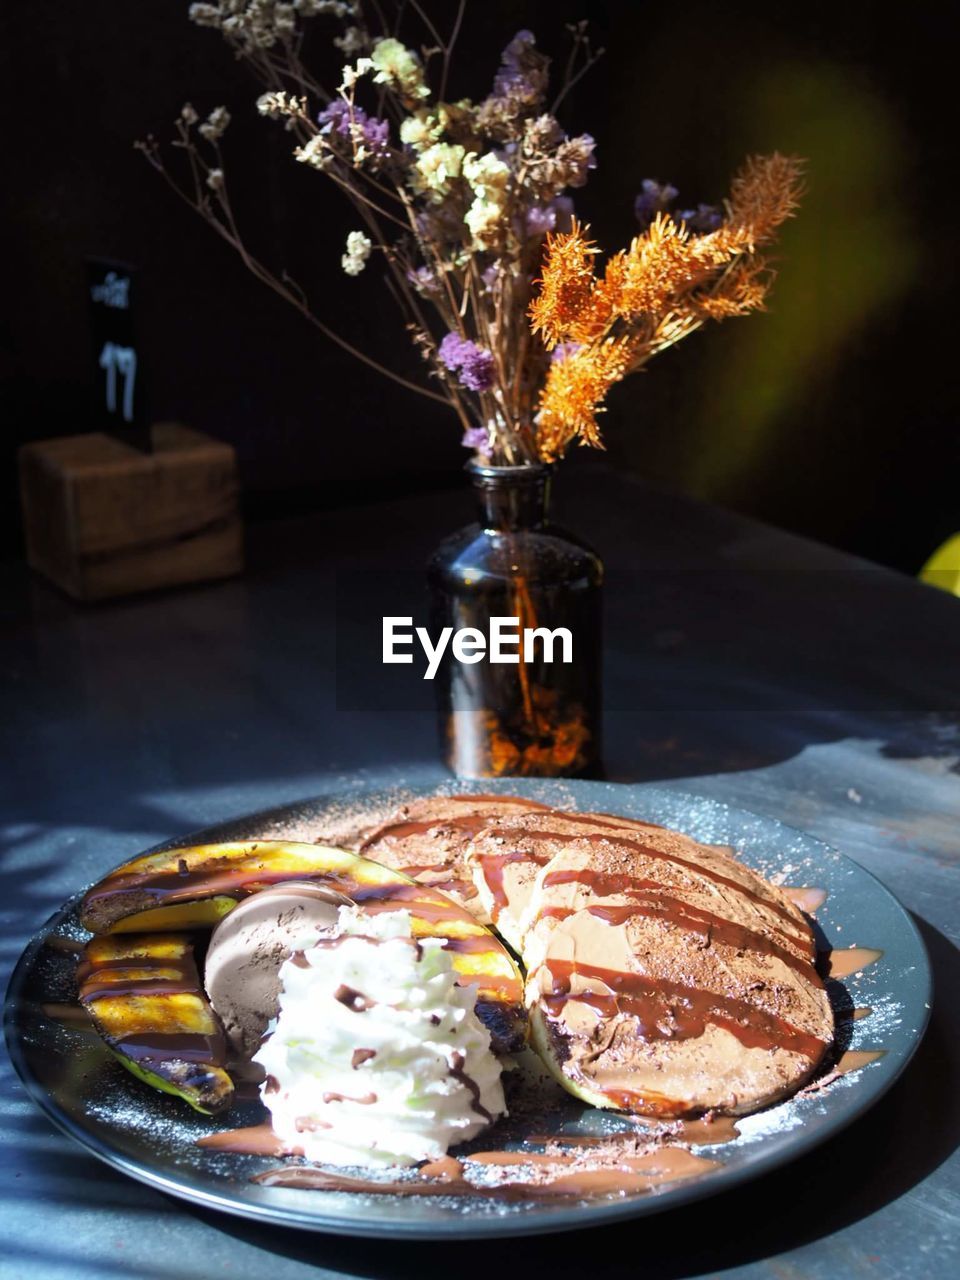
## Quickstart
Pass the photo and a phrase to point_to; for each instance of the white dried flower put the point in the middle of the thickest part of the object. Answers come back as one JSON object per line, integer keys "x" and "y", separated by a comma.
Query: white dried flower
{"x": 487, "y": 175}
{"x": 206, "y": 15}
{"x": 352, "y": 74}
{"x": 399, "y": 67}
{"x": 284, "y": 19}
{"x": 188, "y": 113}
{"x": 358, "y": 251}
{"x": 487, "y": 221}
{"x": 215, "y": 179}
{"x": 334, "y": 8}
{"x": 421, "y": 130}
{"x": 436, "y": 169}
{"x": 352, "y": 41}
{"x": 314, "y": 154}
{"x": 215, "y": 125}
{"x": 268, "y": 104}
{"x": 260, "y": 24}
{"x": 276, "y": 105}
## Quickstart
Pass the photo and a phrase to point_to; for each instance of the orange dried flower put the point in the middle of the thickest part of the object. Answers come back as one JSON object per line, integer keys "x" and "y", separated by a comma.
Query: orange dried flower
{"x": 665, "y": 286}
{"x": 765, "y": 193}
{"x": 574, "y": 390}
{"x": 742, "y": 288}
{"x": 566, "y": 286}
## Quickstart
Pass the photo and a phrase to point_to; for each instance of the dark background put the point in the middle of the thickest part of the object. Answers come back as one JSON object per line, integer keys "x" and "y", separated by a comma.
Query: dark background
{"x": 832, "y": 415}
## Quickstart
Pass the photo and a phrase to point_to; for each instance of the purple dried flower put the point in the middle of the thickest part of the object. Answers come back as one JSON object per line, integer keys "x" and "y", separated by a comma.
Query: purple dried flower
{"x": 540, "y": 218}
{"x": 477, "y": 370}
{"x": 703, "y": 219}
{"x": 555, "y": 215}
{"x": 563, "y": 350}
{"x": 519, "y": 88}
{"x": 476, "y": 438}
{"x": 511, "y": 80}
{"x": 472, "y": 363}
{"x": 511, "y": 84}
{"x": 376, "y": 135}
{"x": 563, "y": 210}
{"x": 423, "y": 279}
{"x": 655, "y": 197}
{"x": 522, "y": 76}
{"x": 513, "y": 55}
{"x": 451, "y": 351}
{"x": 337, "y": 118}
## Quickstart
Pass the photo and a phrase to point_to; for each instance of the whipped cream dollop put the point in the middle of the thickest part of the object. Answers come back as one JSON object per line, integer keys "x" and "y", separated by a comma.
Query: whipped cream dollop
{"x": 376, "y": 1056}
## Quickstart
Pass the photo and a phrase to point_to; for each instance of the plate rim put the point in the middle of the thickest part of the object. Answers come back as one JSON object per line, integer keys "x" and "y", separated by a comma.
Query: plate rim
{"x": 579, "y": 1215}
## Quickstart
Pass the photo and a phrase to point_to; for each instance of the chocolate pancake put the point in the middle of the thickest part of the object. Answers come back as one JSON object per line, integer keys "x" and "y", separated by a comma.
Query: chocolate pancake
{"x": 664, "y": 976}
{"x": 505, "y": 856}
{"x": 426, "y": 839}
{"x": 507, "y": 853}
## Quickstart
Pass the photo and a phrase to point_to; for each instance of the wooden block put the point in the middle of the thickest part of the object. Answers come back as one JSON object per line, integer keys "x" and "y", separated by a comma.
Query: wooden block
{"x": 103, "y": 519}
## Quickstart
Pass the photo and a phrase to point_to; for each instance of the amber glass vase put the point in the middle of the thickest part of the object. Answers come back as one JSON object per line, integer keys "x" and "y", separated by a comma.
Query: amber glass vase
{"x": 532, "y": 717}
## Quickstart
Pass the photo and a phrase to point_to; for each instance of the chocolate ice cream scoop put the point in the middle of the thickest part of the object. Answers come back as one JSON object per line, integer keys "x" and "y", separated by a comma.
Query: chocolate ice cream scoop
{"x": 248, "y": 947}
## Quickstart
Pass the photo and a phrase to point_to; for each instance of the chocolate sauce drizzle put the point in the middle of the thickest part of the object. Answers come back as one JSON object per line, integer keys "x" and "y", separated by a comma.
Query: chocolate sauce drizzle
{"x": 807, "y": 898}
{"x": 470, "y": 824}
{"x": 846, "y": 961}
{"x": 139, "y": 973}
{"x": 617, "y": 836}
{"x": 652, "y": 902}
{"x": 253, "y": 1140}
{"x": 667, "y": 1010}
{"x": 557, "y": 1176}
{"x": 355, "y": 1001}
{"x": 453, "y": 884}
{"x": 494, "y": 866}
{"x": 457, "y": 1063}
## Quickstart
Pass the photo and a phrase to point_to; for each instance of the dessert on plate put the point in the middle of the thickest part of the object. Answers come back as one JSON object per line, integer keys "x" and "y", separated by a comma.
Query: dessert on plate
{"x": 663, "y": 976}
{"x": 377, "y": 992}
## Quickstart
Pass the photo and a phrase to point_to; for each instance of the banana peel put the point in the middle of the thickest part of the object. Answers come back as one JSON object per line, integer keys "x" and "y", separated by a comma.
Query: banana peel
{"x": 144, "y": 997}
{"x": 196, "y": 886}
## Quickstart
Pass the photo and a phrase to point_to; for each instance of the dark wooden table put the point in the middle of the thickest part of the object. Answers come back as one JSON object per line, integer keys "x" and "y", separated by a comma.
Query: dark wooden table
{"x": 743, "y": 663}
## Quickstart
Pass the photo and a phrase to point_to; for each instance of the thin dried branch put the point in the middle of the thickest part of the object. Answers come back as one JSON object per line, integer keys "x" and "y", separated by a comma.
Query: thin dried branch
{"x": 282, "y": 285}
{"x": 572, "y": 75}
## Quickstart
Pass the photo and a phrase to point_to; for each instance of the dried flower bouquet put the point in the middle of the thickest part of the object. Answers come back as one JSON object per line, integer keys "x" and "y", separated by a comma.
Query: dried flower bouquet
{"x": 467, "y": 207}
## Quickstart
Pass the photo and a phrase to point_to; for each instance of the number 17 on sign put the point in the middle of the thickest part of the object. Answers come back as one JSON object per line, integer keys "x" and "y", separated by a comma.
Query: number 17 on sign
{"x": 120, "y": 363}
{"x": 111, "y": 287}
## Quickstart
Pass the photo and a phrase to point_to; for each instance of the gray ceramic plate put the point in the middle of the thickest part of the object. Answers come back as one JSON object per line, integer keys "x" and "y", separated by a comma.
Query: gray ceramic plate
{"x": 151, "y": 1137}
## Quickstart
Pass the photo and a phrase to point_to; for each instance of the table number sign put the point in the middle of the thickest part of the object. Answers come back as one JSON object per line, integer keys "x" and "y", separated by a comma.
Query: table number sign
{"x": 118, "y": 374}
{"x": 136, "y": 505}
